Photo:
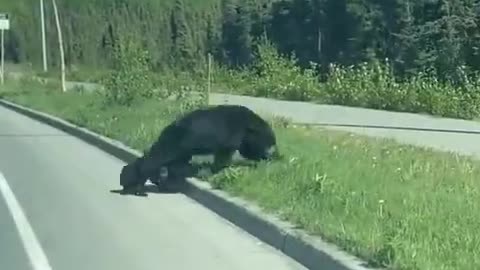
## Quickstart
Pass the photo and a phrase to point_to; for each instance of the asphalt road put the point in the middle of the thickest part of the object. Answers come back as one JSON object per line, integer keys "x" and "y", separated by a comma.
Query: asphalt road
{"x": 56, "y": 211}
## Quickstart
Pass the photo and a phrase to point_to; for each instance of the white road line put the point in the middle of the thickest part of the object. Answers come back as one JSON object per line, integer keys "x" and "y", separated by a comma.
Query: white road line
{"x": 32, "y": 246}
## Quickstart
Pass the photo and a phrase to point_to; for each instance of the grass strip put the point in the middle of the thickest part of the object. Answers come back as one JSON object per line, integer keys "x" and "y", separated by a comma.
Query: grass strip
{"x": 395, "y": 205}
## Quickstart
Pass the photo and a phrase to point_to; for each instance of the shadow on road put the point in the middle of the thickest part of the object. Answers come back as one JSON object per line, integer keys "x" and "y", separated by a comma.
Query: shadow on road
{"x": 151, "y": 189}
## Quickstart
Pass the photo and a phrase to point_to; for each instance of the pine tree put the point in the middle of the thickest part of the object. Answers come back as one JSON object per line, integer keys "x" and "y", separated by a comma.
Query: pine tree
{"x": 183, "y": 49}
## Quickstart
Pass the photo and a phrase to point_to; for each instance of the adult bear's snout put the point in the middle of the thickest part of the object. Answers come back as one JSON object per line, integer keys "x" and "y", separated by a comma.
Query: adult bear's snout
{"x": 273, "y": 153}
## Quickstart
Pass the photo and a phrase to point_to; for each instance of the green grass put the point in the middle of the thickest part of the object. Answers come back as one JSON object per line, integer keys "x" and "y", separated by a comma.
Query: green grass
{"x": 401, "y": 206}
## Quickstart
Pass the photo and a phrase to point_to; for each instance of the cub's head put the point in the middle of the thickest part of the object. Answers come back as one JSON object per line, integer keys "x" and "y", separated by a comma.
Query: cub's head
{"x": 130, "y": 174}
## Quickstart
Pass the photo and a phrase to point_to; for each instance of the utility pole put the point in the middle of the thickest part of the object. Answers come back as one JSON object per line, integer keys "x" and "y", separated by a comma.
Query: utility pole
{"x": 3, "y": 57}
{"x": 60, "y": 44}
{"x": 209, "y": 77}
{"x": 44, "y": 45}
{"x": 4, "y": 25}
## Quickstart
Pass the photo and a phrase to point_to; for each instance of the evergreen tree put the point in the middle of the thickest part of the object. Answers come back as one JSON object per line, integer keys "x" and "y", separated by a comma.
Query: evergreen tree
{"x": 182, "y": 49}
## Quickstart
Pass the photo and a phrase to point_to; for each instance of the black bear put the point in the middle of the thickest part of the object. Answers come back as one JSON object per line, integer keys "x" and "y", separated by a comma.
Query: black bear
{"x": 218, "y": 130}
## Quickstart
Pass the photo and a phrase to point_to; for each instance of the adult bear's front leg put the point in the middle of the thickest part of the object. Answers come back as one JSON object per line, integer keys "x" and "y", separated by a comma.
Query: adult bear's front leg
{"x": 172, "y": 172}
{"x": 222, "y": 158}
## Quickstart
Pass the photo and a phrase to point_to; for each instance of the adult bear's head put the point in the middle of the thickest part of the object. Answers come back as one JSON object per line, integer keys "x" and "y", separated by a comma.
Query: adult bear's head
{"x": 254, "y": 149}
{"x": 260, "y": 142}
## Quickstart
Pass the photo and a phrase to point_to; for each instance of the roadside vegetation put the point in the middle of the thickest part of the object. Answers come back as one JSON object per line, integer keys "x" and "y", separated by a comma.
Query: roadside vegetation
{"x": 397, "y": 206}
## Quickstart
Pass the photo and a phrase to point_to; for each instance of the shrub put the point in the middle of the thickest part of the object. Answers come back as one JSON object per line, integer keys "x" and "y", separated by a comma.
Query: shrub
{"x": 369, "y": 85}
{"x": 279, "y": 77}
{"x": 130, "y": 77}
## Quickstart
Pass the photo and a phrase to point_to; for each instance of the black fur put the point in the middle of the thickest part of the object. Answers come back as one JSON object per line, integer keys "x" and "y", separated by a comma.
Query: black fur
{"x": 218, "y": 130}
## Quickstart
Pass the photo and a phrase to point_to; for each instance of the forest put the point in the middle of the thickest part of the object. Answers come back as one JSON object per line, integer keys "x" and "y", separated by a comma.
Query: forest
{"x": 441, "y": 35}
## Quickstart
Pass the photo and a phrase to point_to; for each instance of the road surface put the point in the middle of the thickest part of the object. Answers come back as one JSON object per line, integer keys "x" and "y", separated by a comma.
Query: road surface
{"x": 71, "y": 220}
